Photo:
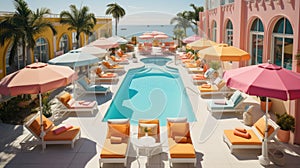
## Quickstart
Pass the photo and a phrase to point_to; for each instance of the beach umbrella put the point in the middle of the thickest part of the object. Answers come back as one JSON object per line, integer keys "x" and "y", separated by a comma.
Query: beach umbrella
{"x": 200, "y": 44}
{"x": 154, "y": 33}
{"x": 37, "y": 78}
{"x": 105, "y": 43}
{"x": 118, "y": 40}
{"x": 161, "y": 36}
{"x": 223, "y": 52}
{"x": 146, "y": 37}
{"x": 95, "y": 51}
{"x": 191, "y": 38}
{"x": 74, "y": 59}
{"x": 266, "y": 80}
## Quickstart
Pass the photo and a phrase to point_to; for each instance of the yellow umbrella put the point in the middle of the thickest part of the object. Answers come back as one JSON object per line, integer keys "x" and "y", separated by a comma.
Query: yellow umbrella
{"x": 224, "y": 52}
{"x": 200, "y": 44}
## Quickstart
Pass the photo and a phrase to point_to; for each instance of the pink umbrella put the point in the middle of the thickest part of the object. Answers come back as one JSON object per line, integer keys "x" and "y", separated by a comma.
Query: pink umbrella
{"x": 36, "y": 78}
{"x": 191, "y": 38}
{"x": 104, "y": 43}
{"x": 161, "y": 36}
{"x": 146, "y": 36}
{"x": 154, "y": 33}
{"x": 267, "y": 80}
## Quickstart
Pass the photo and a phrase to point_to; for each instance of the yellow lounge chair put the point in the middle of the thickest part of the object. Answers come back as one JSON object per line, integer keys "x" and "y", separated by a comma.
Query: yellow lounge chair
{"x": 68, "y": 136}
{"x": 256, "y": 133}
{"x": 181, "y": 148}
{"x": 152, "y": 126}
{"x": 115, "y": 147}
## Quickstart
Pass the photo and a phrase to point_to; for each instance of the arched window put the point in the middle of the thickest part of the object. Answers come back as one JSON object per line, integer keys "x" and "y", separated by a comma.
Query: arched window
{"x": 92, "y": 37}
{"x": 41, "y": 50}
{"x": 229, "y": 33}
{"x": 18, "y": 60}
{"x": 64, "y": 43}
{"x": 257, "y": 40}
{"x": 214, "y": 31}
{"x": 283, "y": 44}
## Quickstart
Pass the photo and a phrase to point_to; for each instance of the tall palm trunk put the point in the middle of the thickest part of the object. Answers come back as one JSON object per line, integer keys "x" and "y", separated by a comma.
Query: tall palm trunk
{"x": 24, "y": 53}
{"x": 116, "y": 27}
{"x": 77, "y": 39}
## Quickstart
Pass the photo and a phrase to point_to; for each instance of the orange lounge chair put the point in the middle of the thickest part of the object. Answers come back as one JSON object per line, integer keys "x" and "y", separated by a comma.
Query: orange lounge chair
{"x": 193, "y": 65}
{"x": 121, "y": 54}
{"x": 115, "y": 67}
{"x": 120, "y": 60}
{"x": 102, "y": 76}
{"x": 152, "y": 126}
{"x": 52, "y": 135}
{"x": 115, "y": 147}
{"x": 181, "y": 148}
{"x": 256, "y": 135}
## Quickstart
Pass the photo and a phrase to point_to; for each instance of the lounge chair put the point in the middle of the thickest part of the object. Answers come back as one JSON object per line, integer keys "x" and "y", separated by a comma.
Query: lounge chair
{"x": 68, "y": 104}
{"x": 181, "y": 148}
{"x": 111, "y": 67}
{"x": 120, "y": 60}
{"x": 193, "y": 65}
{"x": 121, "y": 54}
{"x": 87, "y": 87}
{"x": 227, "y": 105}
{"x": 204, "y": 78}
{"x": 254, "y": 141}
{"x": 53, "y": 134}
{"x": 115, "y": 147}
{"x": 107, "y": 77}
{"x": 152, "y": 126}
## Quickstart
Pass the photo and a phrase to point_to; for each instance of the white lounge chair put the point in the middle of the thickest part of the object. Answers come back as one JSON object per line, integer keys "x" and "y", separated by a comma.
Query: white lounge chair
{"x": 91, "y": 88}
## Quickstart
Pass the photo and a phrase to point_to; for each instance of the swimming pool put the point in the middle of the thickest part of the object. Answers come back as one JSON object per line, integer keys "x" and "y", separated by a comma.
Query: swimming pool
{"x": 151, "y": 92}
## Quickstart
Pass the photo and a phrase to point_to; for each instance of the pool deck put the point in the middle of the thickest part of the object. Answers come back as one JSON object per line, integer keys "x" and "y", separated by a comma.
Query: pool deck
{"x": 206, "y": 134}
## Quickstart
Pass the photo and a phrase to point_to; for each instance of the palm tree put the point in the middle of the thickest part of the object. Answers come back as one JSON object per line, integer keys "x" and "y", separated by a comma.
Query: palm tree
{"x": 22, "y": 27}
{"x": 79, "y": 20}
{"x": 181, "y": 22}
{"x": 179, "y": 35}
{"x": 117, "y": 12}
{"x": 193, "y": 16}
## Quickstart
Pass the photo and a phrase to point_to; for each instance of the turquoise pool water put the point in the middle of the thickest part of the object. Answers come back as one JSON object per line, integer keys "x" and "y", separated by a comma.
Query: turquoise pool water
{"x": 152, "y": 92}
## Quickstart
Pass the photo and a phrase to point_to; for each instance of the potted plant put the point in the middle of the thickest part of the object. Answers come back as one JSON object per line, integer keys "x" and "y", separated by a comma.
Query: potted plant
{"x": 134, "y": 59}
{"x": 47, "y": 111}
{"x": 263, "y": 101}
{"x": 286, "y": 123}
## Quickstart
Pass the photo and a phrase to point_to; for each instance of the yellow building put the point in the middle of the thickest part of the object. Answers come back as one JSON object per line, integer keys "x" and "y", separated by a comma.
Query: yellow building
{"x": 48, "y": 46}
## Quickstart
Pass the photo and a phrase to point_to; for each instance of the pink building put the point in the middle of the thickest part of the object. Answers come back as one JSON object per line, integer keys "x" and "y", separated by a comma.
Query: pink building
{"x": 267, "y": 29}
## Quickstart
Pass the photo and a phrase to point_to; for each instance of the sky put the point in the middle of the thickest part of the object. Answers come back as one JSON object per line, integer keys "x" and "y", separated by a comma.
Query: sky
{"x": 137, "y": 11}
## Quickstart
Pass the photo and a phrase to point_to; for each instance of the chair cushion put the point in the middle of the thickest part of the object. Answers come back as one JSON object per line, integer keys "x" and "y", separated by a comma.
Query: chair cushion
{"x": 237, "y": 140}
{"x": 35, "y": 126}
{"x": 115, "y": 140}
{"x": 181, "y": 150}
{"x": 65, "y": 98}
{"x": 110, "y": 150}
{"x": 180, "y": 139}
{"x": 118, "y": 121}
{"x": 260, "y": 125}
{"x": 177, "y": 120}
{"x": 68, "y": 135}
{"x": 118, "y": 130}
{"x": 179, "y": 129}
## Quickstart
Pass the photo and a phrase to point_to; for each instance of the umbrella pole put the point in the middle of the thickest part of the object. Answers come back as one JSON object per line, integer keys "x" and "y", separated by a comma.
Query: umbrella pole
{"x": 264, "y": 159}
{"x": 41, "y": 121}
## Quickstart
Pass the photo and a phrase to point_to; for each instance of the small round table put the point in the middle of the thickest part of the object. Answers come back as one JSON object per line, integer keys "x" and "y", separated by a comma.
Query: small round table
{"x": 146, "y": 143}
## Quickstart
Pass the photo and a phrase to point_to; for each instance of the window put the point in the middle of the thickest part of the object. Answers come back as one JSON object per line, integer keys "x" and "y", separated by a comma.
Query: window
{"x": 214, "y": 31}
{"x": 74, "y": 41}
{"x": 229, "y": 33}
{"x": 64, "y": 43}
{"x": 283, "y": 44}
{"x": 257, "y": 40}
{"x": 41, "y": 50}
{"x": 18, "y": 60}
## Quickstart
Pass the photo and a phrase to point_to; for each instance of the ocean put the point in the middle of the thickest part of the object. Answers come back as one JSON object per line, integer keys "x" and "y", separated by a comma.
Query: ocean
{"x": 128, "y": 31}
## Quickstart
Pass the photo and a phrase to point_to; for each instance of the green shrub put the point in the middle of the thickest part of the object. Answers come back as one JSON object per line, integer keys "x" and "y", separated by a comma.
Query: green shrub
{"x": 286, "y": 122}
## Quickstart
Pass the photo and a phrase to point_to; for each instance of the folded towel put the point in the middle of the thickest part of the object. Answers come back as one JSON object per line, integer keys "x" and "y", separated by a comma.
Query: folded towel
{"x": 221, "y": 102}
{"x": 243, "y": 130}
{"x": 206, "y": 86}
{"x": 115, "y": 140}
{"x": 243, "y": 135}
{"x": 62, "y": 129}
{"x": 86, "y": 103}
{"x": 180, "y": 139}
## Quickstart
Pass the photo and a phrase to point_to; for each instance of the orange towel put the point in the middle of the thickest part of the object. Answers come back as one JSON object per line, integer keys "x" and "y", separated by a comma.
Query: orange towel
{"x": 243, "y": 130}
{"x": 243, "y": 135}
{"x": 206, "y": 86}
